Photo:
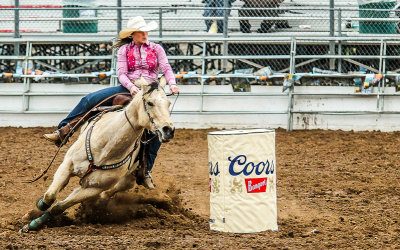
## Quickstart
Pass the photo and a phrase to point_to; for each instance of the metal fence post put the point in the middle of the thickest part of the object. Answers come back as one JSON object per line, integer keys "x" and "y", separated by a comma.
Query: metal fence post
{"x": 226, "y": 13}
{"x": 381, "y": 57}
{"x": 160, "y": 22}
{"x": 289, "y": 126}
{"x": 16, "y": 27}
{"x": 119, "y": 16}
{"x": 292, "y": 66}
{"x": 382, "y": 70}
{"x": 225, "y": 44}
{"x": 203, "y": 70}
{"x": 340, "y": 42}
{"x": 27, "y": 80}
{"x": 331, "y": 18}
{"x": 384, "y": 52}
{"x": 331, "y": 33}
{"x": 339, "y": 22}
{"x": 114, "y": 80}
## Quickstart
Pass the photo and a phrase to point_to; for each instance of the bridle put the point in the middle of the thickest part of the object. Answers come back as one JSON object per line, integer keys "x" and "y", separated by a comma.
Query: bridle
{"x": 146, "y": 107}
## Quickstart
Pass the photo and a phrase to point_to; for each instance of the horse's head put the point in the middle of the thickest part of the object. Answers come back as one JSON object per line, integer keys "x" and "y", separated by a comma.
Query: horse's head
{"x": 156, "y": 106}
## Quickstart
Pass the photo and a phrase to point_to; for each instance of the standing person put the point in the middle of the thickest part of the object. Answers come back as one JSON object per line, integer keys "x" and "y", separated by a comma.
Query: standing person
{"x": 137, "y": 57}
{"x": 266, "y": 25}
{"x": 216, "y": 12}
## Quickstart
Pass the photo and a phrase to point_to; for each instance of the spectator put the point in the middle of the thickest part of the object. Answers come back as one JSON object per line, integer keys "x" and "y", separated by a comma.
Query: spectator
{"x": 215, "y": 12}
{"x": 266, "y": 25}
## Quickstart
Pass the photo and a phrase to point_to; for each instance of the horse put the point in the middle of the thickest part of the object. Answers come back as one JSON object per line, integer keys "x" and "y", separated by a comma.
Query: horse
{"x": 114, "y": 139}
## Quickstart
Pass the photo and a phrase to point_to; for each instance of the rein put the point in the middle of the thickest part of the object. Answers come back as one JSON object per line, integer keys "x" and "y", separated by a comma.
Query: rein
{"x": 173, "y": 105}
{"x": 67, "y": 136}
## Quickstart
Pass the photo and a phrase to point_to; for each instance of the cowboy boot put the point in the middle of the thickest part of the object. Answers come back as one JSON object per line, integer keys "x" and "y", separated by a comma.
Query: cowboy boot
{"x": 148, "y": 181}
{"x": 144, "y": 178}
{"x": 58, "y": 136}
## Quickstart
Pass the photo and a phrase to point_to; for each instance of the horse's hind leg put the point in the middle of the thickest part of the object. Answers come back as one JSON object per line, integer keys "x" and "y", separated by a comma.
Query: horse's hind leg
{"x": 60, "y": 180}
{"x": 78, "y": 195}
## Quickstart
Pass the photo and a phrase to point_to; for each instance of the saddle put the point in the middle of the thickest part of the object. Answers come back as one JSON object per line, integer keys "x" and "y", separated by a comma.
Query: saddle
{"x": 121, "y": 100}
{"x": 67, "y": 131}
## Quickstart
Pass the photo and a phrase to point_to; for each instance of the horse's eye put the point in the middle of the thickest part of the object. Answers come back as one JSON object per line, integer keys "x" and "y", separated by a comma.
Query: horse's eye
{"x": 150, "y": 104}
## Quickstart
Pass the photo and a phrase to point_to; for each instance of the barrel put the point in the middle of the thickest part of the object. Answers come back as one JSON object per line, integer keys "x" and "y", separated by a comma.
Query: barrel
{"x": 242, "y": 180}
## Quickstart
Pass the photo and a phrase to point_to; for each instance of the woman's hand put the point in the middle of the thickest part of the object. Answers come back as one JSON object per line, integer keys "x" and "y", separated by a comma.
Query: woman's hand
{"x": 173, "y": 89}
{"x": 134, "y": 90}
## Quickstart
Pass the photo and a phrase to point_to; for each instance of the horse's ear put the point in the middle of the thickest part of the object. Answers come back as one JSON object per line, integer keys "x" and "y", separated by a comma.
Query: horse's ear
{"x": 163, "y": 82}
{"x": 141, "y": 82}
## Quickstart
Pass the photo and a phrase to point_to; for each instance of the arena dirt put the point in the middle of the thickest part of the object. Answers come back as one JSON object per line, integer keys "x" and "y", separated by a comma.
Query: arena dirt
{"x": 335, "y": 190}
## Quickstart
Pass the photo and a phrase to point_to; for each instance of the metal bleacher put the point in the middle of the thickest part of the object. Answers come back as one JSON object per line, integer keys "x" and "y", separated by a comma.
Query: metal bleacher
{"x": 42, "y": 22}
{"x": 180, "y": 18}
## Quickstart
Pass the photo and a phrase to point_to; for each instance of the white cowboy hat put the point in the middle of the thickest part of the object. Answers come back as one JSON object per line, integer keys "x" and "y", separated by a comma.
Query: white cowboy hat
{"x": 137, "y": 24}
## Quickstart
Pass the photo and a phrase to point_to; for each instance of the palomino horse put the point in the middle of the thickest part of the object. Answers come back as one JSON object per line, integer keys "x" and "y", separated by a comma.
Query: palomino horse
{"x": 112, "y": 141}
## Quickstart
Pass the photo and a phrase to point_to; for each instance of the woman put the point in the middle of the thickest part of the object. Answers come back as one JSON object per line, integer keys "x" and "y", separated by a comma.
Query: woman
{"x": 137, "y": 57}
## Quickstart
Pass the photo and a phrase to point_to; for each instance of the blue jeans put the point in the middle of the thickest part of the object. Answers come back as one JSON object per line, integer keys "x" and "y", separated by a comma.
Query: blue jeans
{"x": 152, "y": 149}
{"x": 92, "y": 99}
{"x": 216, "y": 13}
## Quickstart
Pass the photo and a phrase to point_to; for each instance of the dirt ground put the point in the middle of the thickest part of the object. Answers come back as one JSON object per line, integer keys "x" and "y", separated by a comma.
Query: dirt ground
{"x": 335, "y": 189}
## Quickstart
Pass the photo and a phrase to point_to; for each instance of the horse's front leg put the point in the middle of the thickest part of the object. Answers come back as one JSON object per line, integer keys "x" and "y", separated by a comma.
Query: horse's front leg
{"x": 60, "y": 180}
{"x": 78, "y": 195}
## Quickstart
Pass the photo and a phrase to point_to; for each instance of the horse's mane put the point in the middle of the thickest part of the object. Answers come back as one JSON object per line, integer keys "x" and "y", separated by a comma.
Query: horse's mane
{"x": 153, "y": 86}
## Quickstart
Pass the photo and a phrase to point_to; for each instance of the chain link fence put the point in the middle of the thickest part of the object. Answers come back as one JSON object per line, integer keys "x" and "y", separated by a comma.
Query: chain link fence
{"x": 202, "y": 37}
{"x": 275, "y": 17}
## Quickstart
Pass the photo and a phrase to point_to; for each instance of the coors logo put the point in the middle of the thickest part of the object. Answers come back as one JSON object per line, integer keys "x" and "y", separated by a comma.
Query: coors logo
{"x": 256, "y": 185}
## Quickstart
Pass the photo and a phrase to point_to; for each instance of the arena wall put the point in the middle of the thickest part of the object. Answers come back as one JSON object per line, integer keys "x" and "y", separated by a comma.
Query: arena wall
{"x": 313, "y": 107}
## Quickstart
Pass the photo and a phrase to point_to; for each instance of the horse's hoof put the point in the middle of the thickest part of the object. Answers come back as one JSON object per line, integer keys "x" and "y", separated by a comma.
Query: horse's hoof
{"x": 37, "y": 224}
{"x": 24, "y": 229}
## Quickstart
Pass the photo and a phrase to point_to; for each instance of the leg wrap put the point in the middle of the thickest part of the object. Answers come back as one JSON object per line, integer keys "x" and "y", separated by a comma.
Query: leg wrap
{"x": 38, "y": 223}
{"x": 41, "y": 205}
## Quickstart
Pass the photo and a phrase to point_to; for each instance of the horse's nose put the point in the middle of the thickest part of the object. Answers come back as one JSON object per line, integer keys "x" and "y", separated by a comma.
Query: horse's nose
{"x": 168, "y": 132}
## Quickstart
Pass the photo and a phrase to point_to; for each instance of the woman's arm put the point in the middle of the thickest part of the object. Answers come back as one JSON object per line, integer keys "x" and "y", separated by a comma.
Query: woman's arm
{"x": 122, "y": 66}
{"x": 164, "y": 65}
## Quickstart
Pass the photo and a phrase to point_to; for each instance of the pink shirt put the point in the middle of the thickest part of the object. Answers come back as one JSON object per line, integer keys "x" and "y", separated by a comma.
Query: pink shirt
{"x": 134, "y": 62}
